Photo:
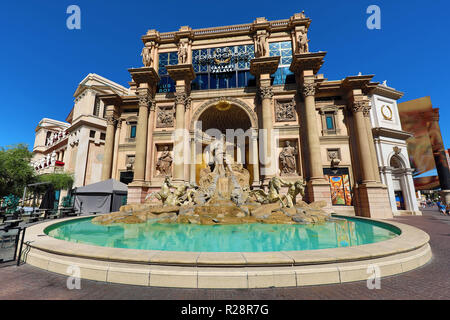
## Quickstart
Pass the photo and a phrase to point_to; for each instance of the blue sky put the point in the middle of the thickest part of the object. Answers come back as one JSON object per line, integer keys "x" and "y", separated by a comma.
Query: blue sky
{"x": 42, "y": 61}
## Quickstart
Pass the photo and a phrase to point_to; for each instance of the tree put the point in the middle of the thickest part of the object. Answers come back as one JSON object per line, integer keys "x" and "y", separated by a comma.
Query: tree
{"x": 15, "y": 169}
{"x": 60, "y": 181}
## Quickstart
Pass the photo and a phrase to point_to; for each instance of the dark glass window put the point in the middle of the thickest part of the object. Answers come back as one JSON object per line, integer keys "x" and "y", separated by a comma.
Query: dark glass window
{"x": 133, "y": 131}
{"x": 283, "y": 50}
{"x": 102, "y": 136}
{"x": 166, "y": 84}
{"x": 222, "y": 68}
{"x": 92, "y": 134}
{"x": 330, "y": 122}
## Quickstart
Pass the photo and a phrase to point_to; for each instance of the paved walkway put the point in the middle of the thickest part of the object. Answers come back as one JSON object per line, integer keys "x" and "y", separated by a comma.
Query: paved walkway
{"x": 431, "y": 281}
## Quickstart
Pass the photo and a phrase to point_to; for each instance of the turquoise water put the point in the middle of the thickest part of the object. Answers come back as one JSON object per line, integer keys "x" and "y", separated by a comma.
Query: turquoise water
{"x": 224, "y": 238}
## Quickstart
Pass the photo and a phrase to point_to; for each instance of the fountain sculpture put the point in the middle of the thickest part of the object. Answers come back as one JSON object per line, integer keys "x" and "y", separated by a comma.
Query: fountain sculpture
{"x": 223, "y": 196}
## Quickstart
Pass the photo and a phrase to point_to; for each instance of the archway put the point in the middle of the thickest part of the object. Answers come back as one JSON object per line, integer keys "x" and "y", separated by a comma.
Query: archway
{"x": 229, "y": 117}
{"x": 398, "y": 177}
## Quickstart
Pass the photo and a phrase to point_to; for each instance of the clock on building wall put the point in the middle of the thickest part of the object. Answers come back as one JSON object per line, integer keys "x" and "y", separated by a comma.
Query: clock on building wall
{"x": 386, "y": 112}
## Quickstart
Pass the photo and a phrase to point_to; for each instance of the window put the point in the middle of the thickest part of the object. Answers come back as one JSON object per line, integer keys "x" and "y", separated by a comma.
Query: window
{"x": 166, "y": 83}
{"x": 96, "y": 111}
{"x": 283, "y": 50}
{"x": 133, "y": 131}
{"x": 102, "y": 136}
{"x": 330, "y": 121}
{"x": 92, "y": 134}
{"x": 328, "y": 115}
{"x": 222, "y": 68}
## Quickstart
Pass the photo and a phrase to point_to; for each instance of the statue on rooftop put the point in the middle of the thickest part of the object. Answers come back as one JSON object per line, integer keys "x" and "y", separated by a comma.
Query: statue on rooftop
{"x": 147, "y": 55}
{"x": 303, "y": 46}
{"x": 182, "y": 53}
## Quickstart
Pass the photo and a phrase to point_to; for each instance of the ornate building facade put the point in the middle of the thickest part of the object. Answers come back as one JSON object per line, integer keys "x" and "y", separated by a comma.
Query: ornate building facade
{"x": 77, "y": 145}
{"x": 259, "y": 85}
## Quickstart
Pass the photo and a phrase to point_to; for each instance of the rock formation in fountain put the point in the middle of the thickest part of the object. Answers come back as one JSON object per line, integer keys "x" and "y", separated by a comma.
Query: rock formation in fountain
{"x": 223, "y": 196}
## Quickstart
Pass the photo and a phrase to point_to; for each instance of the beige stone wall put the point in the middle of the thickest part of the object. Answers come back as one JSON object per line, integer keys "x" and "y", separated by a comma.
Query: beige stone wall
{"x": 94, "y": 163}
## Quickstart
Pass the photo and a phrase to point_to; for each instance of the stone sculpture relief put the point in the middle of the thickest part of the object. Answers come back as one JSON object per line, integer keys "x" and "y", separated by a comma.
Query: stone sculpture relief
{"x": 164, "y": 163}
{"x": 285, "y": 111}
{"x": 165, "y": 117}
{"x": 287, "y": 159}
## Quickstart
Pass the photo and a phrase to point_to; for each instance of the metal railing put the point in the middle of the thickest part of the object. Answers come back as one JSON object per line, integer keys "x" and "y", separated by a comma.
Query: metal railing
{"x": 11, "y": 243}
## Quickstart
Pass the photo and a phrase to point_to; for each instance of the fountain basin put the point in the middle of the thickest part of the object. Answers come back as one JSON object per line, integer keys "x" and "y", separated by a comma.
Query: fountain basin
{"x": 407, "y": 250}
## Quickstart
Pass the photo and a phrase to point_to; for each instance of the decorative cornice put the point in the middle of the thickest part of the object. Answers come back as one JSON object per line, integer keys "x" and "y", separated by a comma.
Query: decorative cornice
{"x": 391, "y": 133}
{"x": 145, "y": 75}
{"x": 264, "y": 65}
{"x": 181, "y": 72}
{"x": 298, "y": 19}
{"x": 307, "y": 61}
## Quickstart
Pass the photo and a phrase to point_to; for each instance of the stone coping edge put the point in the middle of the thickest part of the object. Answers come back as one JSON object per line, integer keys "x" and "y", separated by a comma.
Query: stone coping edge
{"x": 410, "y": 239}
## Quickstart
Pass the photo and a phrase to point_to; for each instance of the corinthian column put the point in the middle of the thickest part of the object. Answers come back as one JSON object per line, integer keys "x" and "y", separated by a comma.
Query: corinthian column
{"x": 365, "y": 155}
{"x": 312, "y": 136}
{"x": 141, "y": 134}
{"x": 183, "y": 74}
{"x": 109, "y": 143}
{"x": 112, "y": 103}
{"x": 268, "y": 154}
{"x": 180, "y": 110}
{"x": 262, "y": 68}
{"x": 373, "y": 154}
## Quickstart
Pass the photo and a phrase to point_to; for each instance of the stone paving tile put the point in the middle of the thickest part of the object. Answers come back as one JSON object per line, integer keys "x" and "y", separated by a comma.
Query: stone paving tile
{"x": 431, "y": 281}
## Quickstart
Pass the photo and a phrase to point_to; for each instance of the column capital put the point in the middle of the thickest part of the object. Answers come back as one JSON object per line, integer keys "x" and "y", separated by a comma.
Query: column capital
{"x": 308, "y": 89}
{"x": 111, "y": 120}
{"x": 265, "y": 92}
{"x": 360, "y": 106}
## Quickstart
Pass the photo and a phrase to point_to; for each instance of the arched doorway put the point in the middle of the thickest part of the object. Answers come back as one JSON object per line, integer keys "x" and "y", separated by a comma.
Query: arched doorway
{"x": 398, "y": 173}
{"x": 234, "y": 119}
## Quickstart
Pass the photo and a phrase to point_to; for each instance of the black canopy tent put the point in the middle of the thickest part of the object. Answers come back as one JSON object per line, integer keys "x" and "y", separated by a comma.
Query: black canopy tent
{"x": 101, "y": 197}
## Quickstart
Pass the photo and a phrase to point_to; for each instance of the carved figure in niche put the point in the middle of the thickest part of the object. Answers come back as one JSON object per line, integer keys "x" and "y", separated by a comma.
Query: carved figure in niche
{"x": 164, "y": 163}
{"x": 303, "y": 46}
{"x": 287, "y": 159}
{"x": 220, "y": 160}
{"x": 261, "y": 46}
{"x": 182, "y": 53}
{"x": 147, "y": 55}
